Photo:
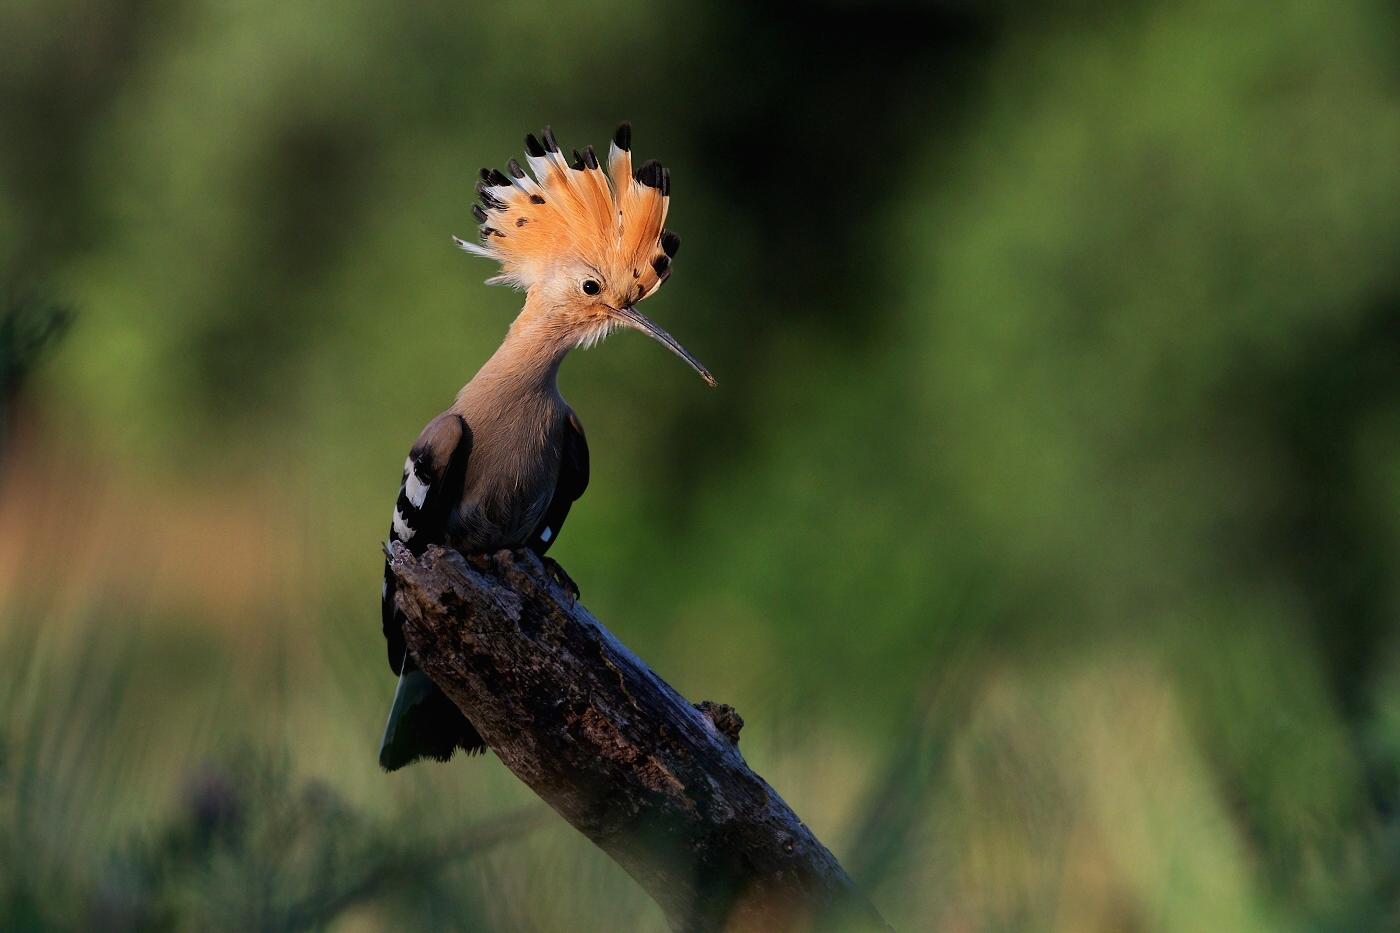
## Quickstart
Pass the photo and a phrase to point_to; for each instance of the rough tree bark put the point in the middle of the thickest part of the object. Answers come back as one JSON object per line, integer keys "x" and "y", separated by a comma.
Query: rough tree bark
{"x": 655, "y": 782}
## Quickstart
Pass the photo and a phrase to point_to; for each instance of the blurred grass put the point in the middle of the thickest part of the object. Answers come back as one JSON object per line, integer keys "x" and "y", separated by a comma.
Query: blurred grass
{"x": 1043, "y": 528}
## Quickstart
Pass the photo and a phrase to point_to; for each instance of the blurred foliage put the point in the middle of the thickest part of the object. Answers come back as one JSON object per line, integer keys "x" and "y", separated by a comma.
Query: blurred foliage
{"x": 1044, "y": 527}
{"x": 248, "y": 845}
{"x": 251, "y": 850}
{"x": 29, "y": 326}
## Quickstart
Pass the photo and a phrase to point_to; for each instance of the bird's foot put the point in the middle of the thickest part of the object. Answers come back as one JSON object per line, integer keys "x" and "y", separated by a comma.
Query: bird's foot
{"x": 558, "y": 575}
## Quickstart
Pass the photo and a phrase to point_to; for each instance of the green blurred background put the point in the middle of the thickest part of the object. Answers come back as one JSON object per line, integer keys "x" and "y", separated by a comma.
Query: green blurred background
{"x": 1045, "y": 526}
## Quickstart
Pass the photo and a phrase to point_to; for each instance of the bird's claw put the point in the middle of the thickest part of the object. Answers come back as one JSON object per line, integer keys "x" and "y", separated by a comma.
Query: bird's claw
{"x": 558, "y": 575}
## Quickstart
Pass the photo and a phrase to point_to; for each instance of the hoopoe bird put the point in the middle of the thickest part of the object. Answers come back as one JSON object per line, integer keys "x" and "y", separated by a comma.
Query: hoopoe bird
{"x": 503, "y": 465}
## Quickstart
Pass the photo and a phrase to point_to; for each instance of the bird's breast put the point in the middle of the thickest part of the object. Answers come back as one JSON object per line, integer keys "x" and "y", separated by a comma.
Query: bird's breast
{"x": 510, "y": 481}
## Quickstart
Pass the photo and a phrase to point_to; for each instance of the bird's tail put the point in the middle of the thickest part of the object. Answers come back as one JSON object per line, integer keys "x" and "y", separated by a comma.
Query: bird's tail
{"x": 424, "y": 723}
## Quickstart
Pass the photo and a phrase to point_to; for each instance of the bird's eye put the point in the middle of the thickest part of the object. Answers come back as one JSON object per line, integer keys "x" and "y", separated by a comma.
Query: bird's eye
{"x": 591, "y": 287}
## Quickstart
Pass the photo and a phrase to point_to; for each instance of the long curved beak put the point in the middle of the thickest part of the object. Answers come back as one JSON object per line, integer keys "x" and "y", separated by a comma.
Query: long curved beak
{"x": 634, "y": 318}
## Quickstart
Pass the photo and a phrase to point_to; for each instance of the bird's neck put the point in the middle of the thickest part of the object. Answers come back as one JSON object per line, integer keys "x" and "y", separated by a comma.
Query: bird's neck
{"x": 527, "y": 361}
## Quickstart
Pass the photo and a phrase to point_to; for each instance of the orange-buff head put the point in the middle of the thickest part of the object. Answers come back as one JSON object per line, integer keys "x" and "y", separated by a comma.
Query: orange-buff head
{"x": 588, "y": 246}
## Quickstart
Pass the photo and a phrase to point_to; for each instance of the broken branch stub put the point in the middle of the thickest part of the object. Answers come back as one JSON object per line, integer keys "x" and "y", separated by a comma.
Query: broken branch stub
{"x": 656, "y": 783}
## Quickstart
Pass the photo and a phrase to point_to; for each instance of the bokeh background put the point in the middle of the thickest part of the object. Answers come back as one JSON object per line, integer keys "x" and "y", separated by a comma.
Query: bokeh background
{"x": 1045, "y": 526}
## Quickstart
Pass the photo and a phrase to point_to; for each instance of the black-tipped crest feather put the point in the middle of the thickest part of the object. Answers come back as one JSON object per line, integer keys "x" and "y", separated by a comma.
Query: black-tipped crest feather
{"x": 670, "y": 243}
{"x": 650, "y": 173}
{"x": 489, "y": 199}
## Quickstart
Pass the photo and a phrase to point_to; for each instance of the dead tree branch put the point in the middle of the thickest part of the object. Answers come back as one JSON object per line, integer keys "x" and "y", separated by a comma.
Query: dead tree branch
{"x": 656, "y": 783}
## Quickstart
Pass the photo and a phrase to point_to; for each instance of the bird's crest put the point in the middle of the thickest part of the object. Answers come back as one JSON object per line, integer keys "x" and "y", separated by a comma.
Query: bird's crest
{"x": 571, "y": 211}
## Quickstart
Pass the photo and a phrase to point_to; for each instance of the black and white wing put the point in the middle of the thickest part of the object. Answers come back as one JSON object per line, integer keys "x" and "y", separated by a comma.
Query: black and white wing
{"x": 573, "y": 480}
{"x": 430, "y": 489}
{"x": 423, "y": 722}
